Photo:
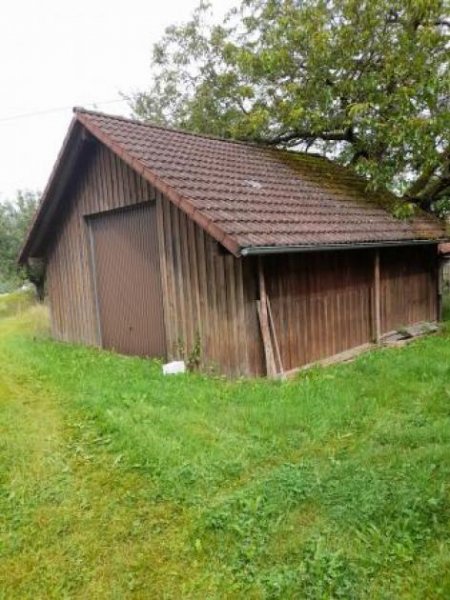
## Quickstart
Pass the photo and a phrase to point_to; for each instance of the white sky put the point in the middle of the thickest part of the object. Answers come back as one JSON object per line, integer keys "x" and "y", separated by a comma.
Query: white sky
{"x": 60, "y": 53}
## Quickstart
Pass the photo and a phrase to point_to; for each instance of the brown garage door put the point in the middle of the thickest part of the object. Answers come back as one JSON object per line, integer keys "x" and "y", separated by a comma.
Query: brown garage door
{"x": 125, "y": 264}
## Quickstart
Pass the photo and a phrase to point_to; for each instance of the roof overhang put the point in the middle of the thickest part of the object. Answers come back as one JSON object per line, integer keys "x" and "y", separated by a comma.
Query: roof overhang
{"x": 261, "y": 250}
{"x": 73, "y": 145}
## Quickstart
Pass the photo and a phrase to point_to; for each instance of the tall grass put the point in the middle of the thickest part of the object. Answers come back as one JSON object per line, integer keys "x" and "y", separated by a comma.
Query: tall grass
{"x": 118, "y": 482}
{"x": 17, "y": 302}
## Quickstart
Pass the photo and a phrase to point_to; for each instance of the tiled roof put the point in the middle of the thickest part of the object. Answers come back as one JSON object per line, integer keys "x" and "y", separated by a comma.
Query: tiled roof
{"x": 248, "y": 195}
{"x": 261, "y": 196}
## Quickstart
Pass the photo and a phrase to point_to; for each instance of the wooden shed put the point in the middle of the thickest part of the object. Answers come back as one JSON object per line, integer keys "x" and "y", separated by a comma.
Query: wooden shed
{"x": 164, "y": 243}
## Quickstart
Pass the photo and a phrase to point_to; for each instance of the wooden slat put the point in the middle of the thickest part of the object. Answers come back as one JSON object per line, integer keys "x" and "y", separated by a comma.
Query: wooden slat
{"x": 276, "y": 346}
{"x": 168, "y": 317}
{"x": 377, "y": 299}
{"x": 185, "y": 282}
{"x": 172, "y": 312}
{"x": 203, "y": 292}
{"x": 214, "y": 322}
{"x": 264, "y": 322}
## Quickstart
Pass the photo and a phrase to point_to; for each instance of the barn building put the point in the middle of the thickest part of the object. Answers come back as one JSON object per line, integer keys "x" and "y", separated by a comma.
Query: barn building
{"x": 254, "y": 260}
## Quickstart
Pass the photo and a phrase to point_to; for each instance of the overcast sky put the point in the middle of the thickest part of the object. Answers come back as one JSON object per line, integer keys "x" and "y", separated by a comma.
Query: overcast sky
{"x": 58, "y": 54}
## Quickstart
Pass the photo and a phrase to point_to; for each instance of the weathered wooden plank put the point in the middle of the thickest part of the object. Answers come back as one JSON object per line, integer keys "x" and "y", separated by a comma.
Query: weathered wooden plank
{"x": 167, "y": 305}
{"x": 215, "y": 317}
{"x": 193, "y": 260}
{"x": 241, "y": 319}
{"x": 252, "y": 327}
{"x": 377, "y": 298}
{"x": 185, "y": 283}
{"x": 276, "y": 345}
{"x": 233, "y": 324}
{"x": 203, "y": 291}
{"x": 264, "y": 322}
{"x": 346, "y": 355}
{"x": 173, "y": 314}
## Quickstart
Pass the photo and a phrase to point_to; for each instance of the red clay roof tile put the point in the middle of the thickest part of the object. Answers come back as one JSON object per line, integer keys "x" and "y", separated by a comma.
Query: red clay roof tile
{"x": 260, "y": 195}
{"x": 249, "y": 195}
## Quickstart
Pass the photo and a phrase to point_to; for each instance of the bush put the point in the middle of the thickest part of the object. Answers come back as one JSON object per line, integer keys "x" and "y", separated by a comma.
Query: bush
{"x": 16, "y": 302}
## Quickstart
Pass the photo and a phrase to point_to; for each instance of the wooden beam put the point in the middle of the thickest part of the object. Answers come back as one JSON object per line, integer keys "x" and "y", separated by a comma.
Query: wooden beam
{"x": 377, "y": 297}
{"x": 167, "y": 300}
{"x": 264, "y": 322}
{"x": 94, "y": 284}
{"x": 275, "y": 339}
{"x": 346, "y": 355}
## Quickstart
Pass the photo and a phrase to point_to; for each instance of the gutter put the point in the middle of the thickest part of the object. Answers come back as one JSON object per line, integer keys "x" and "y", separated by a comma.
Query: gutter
{"x": 261, "y": 250}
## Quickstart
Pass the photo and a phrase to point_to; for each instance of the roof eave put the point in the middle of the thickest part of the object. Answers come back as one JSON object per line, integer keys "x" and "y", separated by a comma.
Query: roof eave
{"x": 260, "y": 250}
{"x": 49, "y": 203}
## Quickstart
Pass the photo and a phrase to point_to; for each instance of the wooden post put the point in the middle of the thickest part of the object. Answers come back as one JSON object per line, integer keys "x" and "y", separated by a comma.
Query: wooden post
{"x": 264, "y": 323}
{"x": 95, "y": 284}
{"x": 377, "y": 298}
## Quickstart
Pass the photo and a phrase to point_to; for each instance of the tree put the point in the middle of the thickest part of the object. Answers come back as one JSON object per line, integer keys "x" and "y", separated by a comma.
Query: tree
{"x": 365, "y": 82}
{"x": 15, "y": 217}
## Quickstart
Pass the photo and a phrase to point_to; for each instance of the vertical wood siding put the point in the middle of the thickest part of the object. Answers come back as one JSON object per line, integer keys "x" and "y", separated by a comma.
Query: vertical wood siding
{"x": 210, "y": 297}
{"x": 104, "y": 182}
{"x": 321, "y": 303}
{"x": 408, "y": 286}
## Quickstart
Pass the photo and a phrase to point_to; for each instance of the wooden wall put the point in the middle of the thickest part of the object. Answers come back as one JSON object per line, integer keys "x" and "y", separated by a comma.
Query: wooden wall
{"x": 103, "y": 182}
{"x": 323, "y": 303}
{"x": 208, "y": 294}
{"x": 210, "y": 297}
{"x": 409, "y": 281}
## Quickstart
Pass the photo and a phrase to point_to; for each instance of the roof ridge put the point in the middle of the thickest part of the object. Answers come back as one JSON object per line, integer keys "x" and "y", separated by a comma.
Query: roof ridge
{"x": 81, "y": 110}
{"x": 208, "y": 136}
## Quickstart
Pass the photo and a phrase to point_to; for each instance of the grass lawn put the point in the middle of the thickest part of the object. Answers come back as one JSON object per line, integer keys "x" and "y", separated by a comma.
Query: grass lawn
{"x": 118, "y": 483}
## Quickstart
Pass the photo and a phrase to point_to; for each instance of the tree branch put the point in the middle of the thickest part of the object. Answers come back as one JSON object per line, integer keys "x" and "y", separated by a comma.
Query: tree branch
{"x": 428, "y": 184}
{"x": 345, "y": 135}
{"x": 434, "y": 189}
